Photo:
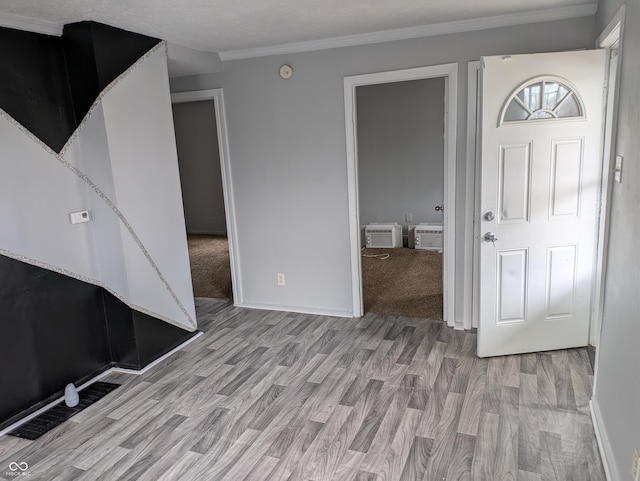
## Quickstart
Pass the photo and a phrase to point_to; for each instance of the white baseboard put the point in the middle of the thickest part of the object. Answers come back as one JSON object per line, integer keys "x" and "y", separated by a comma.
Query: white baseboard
{"x": 610, "y": 470}
{"x": 153, "y": 364}
{"x": 97, "y": 378}
{"x": 300, "y": 309}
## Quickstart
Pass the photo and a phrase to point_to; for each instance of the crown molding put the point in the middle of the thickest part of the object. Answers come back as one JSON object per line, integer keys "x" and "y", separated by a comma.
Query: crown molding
{"x": 483, "y": 23}
{"x": 30, "y": 24}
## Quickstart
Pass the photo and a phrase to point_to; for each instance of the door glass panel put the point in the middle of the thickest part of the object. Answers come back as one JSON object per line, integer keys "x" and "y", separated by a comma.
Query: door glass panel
{"x": 553, "y": 94}
{"x": 530, "y": 96}
{"x": 542, "y": 99}
{"x": 569, "y": 108}
{"x": 541, "y": 114}
{"x": 515, "y": 111}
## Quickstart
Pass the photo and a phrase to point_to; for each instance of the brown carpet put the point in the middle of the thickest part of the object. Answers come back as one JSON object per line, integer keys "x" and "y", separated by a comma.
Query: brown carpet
{"x": 408, "y": 283}
{"x": 210, "y": 268}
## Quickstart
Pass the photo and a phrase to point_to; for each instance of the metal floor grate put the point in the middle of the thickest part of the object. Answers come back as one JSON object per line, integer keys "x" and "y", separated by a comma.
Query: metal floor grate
{"x": 59, "y": 413}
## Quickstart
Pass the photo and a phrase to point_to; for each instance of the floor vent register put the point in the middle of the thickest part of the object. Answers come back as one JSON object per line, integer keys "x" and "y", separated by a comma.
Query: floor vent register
{"x": 59, "y": 413}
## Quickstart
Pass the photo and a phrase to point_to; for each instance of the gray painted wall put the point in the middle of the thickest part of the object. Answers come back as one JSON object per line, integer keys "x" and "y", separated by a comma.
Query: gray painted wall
{"x": 400, "y": 151}
{"x": 617, "y": 396}
{"x": 199, "y": 161}
{"x": 288, "y": 153}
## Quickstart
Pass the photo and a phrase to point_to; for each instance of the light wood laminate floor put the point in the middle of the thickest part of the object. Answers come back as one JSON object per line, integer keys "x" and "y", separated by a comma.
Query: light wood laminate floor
{"x": 281, "y": 396}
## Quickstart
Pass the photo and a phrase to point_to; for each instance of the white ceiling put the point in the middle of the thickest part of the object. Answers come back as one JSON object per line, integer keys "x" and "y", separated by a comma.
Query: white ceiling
{"x": 229, "y": 25}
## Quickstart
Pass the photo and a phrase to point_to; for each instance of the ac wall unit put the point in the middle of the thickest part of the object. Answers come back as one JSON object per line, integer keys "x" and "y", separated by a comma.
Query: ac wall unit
{"x": 411, "y": 238}
{"x": 428, "y": 237}
{"x": 383, "y": 235}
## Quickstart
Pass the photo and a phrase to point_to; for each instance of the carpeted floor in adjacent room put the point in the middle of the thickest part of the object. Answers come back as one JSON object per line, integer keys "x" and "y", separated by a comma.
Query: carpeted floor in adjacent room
{"x": 210, "y": 267}
{"x": 408, "y": 283}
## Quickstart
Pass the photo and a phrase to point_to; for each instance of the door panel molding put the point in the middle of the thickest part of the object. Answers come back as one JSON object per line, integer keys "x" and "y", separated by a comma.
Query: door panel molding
{"x": 561, "y": 271}
{"x": 566, "y": 175}
{"x": 514, "y": 171}
{"x": 513, "y": 266}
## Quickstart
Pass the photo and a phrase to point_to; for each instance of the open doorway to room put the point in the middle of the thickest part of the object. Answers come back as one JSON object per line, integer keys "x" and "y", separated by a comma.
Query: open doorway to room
{"x": 437, "y": 208}
{"x": 400, "y": 135}
{"x": 201, "y": 179}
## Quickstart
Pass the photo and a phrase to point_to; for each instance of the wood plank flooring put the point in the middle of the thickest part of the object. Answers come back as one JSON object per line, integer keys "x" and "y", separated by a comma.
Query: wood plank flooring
{"x": 280, "y": 396}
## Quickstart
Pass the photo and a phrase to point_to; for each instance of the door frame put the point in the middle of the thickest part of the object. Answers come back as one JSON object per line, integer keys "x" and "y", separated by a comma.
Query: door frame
{"x": 227, "y": 185}
{"x": 450, "y": 73}
{"x": 610, "y": 38}
{"x": 472, "y": 246}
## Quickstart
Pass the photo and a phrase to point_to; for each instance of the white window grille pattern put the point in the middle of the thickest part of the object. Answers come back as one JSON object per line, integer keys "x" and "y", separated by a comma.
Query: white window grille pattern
{"x": 542, "y": 98}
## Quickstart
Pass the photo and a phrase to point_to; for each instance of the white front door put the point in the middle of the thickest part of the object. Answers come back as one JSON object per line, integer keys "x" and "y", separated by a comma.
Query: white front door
{"x": 540, "y": 179}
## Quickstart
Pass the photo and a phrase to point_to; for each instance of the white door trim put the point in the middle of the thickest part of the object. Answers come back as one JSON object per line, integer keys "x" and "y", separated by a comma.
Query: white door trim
{"x": 227, "y": 185}
{"x": 472, "y": 274}
{"x": 450, "y": 73}
{"x": 610, "y": 38}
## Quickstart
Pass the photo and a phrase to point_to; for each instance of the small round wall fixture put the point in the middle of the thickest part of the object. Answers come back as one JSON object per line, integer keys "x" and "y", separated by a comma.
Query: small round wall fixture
{"x": 286, "y": 71}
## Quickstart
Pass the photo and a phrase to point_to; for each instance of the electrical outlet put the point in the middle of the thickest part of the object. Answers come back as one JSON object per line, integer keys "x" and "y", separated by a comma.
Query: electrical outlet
{"x": 635, "y": 465}
{"x": 408, "y": 217}
{"x": 280, "y": 279}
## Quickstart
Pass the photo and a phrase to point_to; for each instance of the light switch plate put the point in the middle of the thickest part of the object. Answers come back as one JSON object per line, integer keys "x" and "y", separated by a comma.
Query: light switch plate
{"x": 618, "y": 169}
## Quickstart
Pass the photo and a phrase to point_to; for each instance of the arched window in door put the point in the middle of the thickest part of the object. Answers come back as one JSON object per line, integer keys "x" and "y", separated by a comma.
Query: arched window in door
{"x": 542, "y": 98}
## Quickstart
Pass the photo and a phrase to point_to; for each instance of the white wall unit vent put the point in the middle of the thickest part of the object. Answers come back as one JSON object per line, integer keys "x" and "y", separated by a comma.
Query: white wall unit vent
{"x": 411, "y": 238}
{"x": 383, "y": 235}
{"x": 428, "y": 237}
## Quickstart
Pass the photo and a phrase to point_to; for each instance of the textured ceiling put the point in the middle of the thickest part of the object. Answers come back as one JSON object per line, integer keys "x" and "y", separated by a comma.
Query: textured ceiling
{"x": 226, "y": 25}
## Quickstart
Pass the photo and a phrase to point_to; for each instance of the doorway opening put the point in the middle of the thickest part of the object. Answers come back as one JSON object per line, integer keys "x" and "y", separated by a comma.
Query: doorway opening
{"x": 201, "y": 145}
{"x": 400, "y": 132}
{"x": 357, "y": 88}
